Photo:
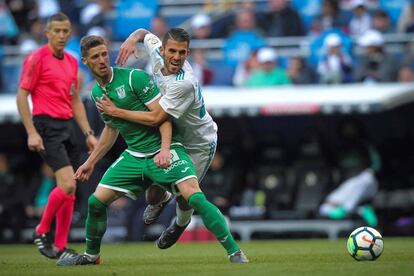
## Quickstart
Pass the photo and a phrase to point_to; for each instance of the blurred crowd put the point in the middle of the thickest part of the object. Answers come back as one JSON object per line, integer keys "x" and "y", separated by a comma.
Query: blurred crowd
{"x": 345, "y": 40}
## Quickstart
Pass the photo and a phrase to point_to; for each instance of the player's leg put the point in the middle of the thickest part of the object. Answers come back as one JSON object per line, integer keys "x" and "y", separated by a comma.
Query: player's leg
{"x": 96, "y": 222}
{"x": 201, "y": 158}
{"x": 157, "y": 199}
{"x": 54, "y": 134}
{"x": 212, "y": 218}
{"x": 123, "y": 177}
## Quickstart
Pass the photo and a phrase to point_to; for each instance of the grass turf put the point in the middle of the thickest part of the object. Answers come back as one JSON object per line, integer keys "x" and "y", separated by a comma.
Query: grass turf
{"x": 270, "y": 257}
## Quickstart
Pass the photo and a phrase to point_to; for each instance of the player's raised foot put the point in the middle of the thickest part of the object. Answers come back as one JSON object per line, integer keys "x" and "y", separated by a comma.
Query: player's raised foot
{"x": 79, "y": 260}
{"x": 44, "y": 245}
{"x": 67, "y": 253}
{"x": 170, "y": 235}
{"x": 238, "y": 257}
{"x": 153, "y": 212}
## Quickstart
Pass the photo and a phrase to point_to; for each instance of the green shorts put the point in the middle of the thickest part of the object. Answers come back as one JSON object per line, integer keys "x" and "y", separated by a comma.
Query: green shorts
{"x": 132, "y": 175}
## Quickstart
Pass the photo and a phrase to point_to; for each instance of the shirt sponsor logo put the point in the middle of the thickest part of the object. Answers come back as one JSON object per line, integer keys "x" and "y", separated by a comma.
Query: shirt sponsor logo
{"x": 152, "y": 41}
{"x": 121, "y": 91}
{"x": 149, "y": 87}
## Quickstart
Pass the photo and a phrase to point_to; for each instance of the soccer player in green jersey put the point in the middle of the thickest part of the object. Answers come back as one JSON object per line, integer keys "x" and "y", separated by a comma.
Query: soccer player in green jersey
{"x": 141, "y": 164}
{"x": 182, "y": 101}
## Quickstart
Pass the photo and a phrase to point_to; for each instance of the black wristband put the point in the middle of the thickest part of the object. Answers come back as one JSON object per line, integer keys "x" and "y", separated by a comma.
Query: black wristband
{"x": 89, "y": 132}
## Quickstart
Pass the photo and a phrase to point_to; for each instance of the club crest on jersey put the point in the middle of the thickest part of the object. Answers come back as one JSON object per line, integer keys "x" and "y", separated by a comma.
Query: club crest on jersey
{"x": 121, "y": 91}
{"x": 152, "y": 41}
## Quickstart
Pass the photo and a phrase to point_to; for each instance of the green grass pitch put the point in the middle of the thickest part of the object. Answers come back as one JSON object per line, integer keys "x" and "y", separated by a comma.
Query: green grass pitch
{"x": 271, "y": 257}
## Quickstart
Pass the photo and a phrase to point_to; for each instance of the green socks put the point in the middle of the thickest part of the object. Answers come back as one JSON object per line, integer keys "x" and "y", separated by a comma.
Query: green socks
{"x": 214, "y": 220}
{"x": 337, "y": 213}
{"x": 368, "y": 215}
{"x": 95, "y": 225}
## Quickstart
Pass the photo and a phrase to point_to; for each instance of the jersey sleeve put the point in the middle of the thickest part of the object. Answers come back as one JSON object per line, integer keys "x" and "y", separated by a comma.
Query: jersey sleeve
{"x": 30, "y": 73}
{"x": 152, "y": 46}
{"x": 143, "y": 86}
{"x": 178, "y": 98}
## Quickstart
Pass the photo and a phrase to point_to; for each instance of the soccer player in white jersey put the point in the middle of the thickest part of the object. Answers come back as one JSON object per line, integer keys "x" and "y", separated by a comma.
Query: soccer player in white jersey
{"x": 183, "y": 101}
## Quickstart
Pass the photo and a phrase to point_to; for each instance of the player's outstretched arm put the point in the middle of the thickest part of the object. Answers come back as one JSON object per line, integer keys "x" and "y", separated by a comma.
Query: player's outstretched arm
{"x": 128, "y": 47}
{"x": 154, "y": 117}
{"x": 105, "y": 143}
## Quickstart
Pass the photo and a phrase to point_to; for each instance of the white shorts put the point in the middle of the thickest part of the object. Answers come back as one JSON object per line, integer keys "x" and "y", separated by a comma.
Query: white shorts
{"x": 202, "y": 158}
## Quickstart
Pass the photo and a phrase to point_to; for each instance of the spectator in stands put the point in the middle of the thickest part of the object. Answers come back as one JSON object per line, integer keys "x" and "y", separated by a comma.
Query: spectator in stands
{"x": 8, "y": 30}
{"x": 201, "y": 68}
{"x": 329, "y": 17}
{"x": 358, "y": 162}
{"x": 335, "y": 66}
{"x": 281, "y": 19}
{"x": 406, "y": 74}
{"x": 299, "y": 72}
{"x": 96, "y": 14}
{"x": 268, "y": 73}
{"x": 244, "y": 69}
{"x": 24, "y": 12}
{"x": 244, "y": 39}
{"x": 159, "y": 26}
{"x": 406, "y": 19}
{"x": 201, "y": 26}
{"x": 381, "y": 22}
{"x": 406, "y": 71}
{"x": 33, "y": 39}
{"x": 47, "y": 8}
{"x": 375, "y": 65}
{"x": 361, "y": 19}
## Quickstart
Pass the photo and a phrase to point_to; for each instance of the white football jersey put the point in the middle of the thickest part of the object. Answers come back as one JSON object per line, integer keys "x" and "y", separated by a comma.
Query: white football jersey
{"x": 182, "y": 99}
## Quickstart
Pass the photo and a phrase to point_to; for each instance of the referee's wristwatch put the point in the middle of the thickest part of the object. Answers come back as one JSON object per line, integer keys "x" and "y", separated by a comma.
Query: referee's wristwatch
{"x": 89, "y": 132}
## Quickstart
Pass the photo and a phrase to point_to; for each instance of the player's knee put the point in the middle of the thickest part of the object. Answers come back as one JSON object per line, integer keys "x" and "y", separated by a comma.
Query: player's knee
{"x": 69, "y": 187}
{"x": 95, "y": 206}
{"x": 197, "y": 200}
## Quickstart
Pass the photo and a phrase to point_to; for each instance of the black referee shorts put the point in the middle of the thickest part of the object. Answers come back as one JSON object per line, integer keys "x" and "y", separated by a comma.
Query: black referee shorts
{"x": 59, "y": 140}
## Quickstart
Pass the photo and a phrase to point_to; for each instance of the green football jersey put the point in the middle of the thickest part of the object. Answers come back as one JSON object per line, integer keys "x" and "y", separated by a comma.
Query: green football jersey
{"x": 132, "y": 89}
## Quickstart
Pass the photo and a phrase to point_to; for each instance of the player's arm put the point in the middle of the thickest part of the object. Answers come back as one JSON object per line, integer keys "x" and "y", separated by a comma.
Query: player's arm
{"x": 34, "y": 141}
{"x": 128, "y": 47}
{"x": 106, "y": 141}
{"x": 162, "y": 159}
{"x": 80, "y": 116}
{"x": 154, "y": 117}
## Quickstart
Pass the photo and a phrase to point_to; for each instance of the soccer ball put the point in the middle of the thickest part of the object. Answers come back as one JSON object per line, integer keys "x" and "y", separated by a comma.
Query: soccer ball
{"x": 365, "y": 244}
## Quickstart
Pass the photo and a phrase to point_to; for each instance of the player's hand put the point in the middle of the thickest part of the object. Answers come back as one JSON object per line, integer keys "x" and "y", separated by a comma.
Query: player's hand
{"x": 106, "y": 106}
{"x": 91, "y": 143}
{"x": 35, "y": 142}
{"x": 128, "y": 47}
{"x": 84, "y": 172}
{"x": 162, "y": 159}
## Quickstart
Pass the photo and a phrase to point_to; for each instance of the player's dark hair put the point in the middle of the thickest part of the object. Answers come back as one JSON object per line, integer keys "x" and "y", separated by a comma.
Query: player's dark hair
{"x": 90, "y": 41}
{"x": 176, "y": 34}
{"x": 60, "y": 16}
